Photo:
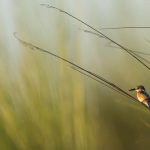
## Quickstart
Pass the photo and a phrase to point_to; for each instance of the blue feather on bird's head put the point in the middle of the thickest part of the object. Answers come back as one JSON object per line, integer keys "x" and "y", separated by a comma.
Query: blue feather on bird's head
{"x": 139, "y": 88}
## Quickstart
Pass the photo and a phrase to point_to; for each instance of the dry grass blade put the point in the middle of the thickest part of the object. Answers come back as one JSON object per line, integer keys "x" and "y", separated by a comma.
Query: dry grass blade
{"x": 79, "y": 69}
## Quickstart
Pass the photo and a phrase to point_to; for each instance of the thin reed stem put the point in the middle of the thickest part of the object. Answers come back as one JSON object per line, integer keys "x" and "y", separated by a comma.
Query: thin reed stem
{"x": 80, "y": 69}
{"x": 99, "y": 32}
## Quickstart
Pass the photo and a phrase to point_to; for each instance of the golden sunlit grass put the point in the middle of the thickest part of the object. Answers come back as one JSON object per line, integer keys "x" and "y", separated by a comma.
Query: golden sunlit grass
{"x": 45, "y": 105}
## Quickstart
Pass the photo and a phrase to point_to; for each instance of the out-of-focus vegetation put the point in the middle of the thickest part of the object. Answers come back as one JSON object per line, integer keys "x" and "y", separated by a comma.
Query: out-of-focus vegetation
{"x": 44, "y": 104}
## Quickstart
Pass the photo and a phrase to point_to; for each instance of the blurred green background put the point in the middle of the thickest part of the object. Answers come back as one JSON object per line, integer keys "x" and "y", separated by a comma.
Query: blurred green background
{"x": 44, "y": 104}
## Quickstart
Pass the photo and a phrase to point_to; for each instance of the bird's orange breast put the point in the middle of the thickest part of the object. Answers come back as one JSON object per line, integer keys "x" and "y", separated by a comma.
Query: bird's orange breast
{"x": 141, "y": 97}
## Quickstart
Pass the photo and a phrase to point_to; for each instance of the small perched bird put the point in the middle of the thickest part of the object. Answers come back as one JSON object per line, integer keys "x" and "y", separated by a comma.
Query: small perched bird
{"x": 142, "y": 95}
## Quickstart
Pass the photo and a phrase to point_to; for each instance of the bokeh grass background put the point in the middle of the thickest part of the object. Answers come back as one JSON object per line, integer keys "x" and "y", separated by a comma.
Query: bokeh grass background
{"x": 46, "y": 105}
